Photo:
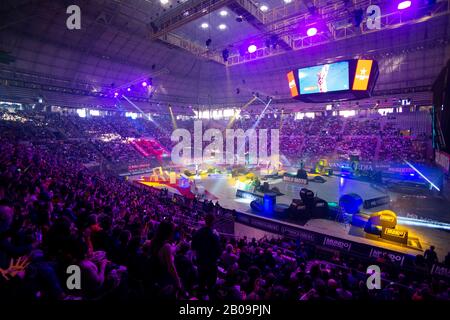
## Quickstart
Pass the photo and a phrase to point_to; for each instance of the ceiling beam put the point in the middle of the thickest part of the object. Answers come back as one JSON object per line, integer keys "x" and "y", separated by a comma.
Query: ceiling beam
{"x": 183, "y": 14}
{"x": 254, "y": 16}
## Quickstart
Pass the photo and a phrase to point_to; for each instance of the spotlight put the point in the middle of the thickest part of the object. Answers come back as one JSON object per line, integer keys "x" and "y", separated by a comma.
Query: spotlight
{"x": 264, "y": 8}
{"x": 204, "y": 25}
{"x": 128, "y": 89}
{"x": 144, "y": 83}
{"x": 223, "y": 13}
{"x": 252, "y": 48}
{"x": 222, "y": 26}
{"x": 311, "y": 32}
{"x": 404, "y": 5}
{"x": 287, "y": 1}
{"x": 164, "y": 1}
{"x": 116, "y": 94}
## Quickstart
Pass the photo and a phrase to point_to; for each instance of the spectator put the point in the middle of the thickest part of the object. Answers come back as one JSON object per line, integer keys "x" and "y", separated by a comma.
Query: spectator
{"x": 206, "y": 245}
{"x": 162, "y": 265}
{"x": 430, "y": 256}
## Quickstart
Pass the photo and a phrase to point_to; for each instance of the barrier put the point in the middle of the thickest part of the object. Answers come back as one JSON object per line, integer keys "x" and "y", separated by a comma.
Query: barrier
{"x": 291, "y": 179}
{"x": 440, "y": 270}
{"x": 248, "y": 195}
{"x": 376, "y": 202}
{"x": 394, "y": 235}
{"x": 361, "y": 250}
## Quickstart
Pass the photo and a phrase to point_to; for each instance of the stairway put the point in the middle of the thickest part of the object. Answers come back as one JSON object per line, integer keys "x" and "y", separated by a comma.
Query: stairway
{"x": 139, "y": 148}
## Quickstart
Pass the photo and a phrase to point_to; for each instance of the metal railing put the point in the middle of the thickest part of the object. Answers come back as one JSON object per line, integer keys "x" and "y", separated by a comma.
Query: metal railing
{"x": 282, "y": 22}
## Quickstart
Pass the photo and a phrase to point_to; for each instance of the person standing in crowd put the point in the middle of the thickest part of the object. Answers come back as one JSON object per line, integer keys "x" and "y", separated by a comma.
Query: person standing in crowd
{"x": 164, "y": 275}
{"x": 430, "y": 256}
{"x": 206, "y": 245}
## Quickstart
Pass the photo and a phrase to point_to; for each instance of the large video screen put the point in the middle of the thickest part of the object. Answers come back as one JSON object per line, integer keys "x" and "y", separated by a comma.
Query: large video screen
{"x": 324, "y": 78}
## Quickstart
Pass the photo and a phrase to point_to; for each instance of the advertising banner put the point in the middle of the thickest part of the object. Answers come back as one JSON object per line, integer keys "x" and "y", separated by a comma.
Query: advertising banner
{"x": 355, "y": 248}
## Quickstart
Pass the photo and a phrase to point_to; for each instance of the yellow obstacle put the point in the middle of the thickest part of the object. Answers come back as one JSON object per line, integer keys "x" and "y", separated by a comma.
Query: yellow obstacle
{"x": 384, "y": 218}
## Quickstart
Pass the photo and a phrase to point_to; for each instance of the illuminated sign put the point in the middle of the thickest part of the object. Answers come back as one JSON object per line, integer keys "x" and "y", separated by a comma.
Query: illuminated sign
{"x": 247, "y": 195}
{"x": 377, "y": 253}
{"x": 395, "y": 233}
{"x": 440, "y": 270}
{"x": 330, "y": 242}
{"x": 362, "y": 75}
{"x": 295, "y": 180}
{"x": 292, "y": 84}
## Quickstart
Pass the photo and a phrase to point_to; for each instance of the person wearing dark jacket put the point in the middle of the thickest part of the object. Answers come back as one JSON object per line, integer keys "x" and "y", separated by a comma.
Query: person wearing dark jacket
{"x": 206, "y": 245}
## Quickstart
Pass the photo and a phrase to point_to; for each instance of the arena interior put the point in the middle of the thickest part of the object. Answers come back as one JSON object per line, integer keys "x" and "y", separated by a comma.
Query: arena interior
{"x": 224, "y": 150}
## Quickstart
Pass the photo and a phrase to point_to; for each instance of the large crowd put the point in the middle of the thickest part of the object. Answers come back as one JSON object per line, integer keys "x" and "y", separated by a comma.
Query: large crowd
{"x": 109, "y": 138}
{"x": 134, "y": 243}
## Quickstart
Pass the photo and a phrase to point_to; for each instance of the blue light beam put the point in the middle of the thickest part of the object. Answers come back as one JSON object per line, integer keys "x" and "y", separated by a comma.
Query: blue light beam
{"x": 422, "y": 175}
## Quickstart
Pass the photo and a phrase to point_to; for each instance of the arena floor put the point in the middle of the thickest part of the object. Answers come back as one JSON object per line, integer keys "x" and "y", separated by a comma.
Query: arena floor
{"x": 224, "y": 190}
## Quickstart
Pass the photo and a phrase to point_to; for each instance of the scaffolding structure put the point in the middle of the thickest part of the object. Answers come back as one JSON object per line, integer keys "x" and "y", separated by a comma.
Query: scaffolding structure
{"x": 284, "y": 23}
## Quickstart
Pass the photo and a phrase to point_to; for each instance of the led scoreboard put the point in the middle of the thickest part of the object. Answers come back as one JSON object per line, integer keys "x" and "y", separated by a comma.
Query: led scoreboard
{"x": 343, "y": 80}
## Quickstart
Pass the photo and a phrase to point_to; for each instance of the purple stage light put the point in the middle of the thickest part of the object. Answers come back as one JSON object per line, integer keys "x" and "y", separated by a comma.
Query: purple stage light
{"x": 404, "y": 5}
{"x": 144, "y": 84}
{"x": 251, "y": 48}
{"x": 116, "y": 94}
{"x": 311, "y": 32}
{"x": 128, "y": 89}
